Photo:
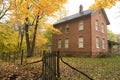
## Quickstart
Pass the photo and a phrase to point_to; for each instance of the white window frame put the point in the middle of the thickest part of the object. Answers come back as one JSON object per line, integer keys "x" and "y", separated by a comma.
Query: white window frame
{"x": 67, "y": 29}
{"x": 81, "y": 26}
{"x": 80, "y": 42}
{"x": 103, "y": 28}
{"x": 97, "y": 25}
{"x": 97, "y": 42}
{"x": 59, "y": 43}
{"x": 103, "y": 43}
{"x": 66, "y": 43}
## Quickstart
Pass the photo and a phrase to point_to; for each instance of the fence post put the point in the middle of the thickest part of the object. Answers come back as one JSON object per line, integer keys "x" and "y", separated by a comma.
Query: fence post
{"x": 9, "y": 56}
{"x": 22, "y": 57}
{"x": 43, "y": 66}
{"x": 14, "y": 57}
{"x": 58, "y": 63}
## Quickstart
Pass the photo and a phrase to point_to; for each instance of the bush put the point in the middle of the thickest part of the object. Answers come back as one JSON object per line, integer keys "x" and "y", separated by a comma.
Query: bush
{"x": 106, "y": 55}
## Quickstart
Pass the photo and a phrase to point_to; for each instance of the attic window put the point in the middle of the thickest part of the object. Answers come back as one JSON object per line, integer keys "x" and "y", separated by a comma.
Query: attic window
{"x": 60, "y": 28}
{"x": 96, "y": 25}
{"x": 99, "y": 12}
{"x": 67, "y": 28}
{"x": 102, "y": 28}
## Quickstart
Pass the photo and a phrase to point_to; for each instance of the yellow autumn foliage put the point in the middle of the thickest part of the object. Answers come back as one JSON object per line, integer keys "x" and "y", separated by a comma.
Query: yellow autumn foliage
{"x": 1, "y": 1}
{"x": 31, "y": 15}
{"x": 8, "y": 38}
{"x": 30, "y": 8}
{"x": 103, "y": 4}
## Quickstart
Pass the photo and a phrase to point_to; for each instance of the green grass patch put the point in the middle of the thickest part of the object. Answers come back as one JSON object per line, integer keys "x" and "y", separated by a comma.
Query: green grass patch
{"x": 96, "y": 68}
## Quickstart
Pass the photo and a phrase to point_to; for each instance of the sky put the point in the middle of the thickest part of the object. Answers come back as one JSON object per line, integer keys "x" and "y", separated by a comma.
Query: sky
{"x": 72, "y": 7}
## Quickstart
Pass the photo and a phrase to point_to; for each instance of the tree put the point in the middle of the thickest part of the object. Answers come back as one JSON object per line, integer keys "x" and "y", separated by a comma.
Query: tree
{"x": 8, "y": 39}
{"x": 4, "y": 7}
{"x": 103, "y": 4}
{"x": 48, "y": 36}
{"x": 33, "y": 13}
{"x": 118, "y": 38}
{"x": 112, "y": 36}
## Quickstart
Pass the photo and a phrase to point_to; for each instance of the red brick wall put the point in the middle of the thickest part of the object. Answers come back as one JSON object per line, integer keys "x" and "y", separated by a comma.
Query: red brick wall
{"x": 89, "y": 33}
{"x": 73, "y": 36}
{"x": 99, "y": 16}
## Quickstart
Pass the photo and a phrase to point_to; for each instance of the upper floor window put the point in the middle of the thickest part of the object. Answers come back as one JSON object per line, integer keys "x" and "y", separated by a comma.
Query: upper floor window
{"x": 96, "y": 25}
{"x": 99, "y": 12}
{"x": 59, "y": 43}
{"x": 66, "y": 43}
{"x": 103, "y": 43}
{"x": 103, "y": 30}
{"x": 80, "y": 42}
{"x": 67, "y": 28}
{"x": 97, "y": 42}
{"x": 80, "y": 26}
{"x": 60, "y": 28}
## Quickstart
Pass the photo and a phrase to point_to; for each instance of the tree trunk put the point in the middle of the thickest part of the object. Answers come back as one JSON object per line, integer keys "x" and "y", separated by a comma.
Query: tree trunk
{"x": 34, "y": 36}
{"x": 21, "y": 34}
{"x": 27, "y": 39}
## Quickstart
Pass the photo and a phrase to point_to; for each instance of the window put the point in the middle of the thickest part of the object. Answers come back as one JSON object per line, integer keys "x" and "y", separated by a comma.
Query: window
{"x": 97, "y": 42}
{"x": 67, "y": 28}
{"x": 80, "y": 42}
{"x": 96, "y": 24}
{"x": 59, "y": 28}
{"x": 103, "y": 43}
{"x": 66, "y": 43}
{"x": 59, "y": 43}
{"x": 102, "y": 28}
{"x": 80, "y": 26}
{"x": 99, "y": 12}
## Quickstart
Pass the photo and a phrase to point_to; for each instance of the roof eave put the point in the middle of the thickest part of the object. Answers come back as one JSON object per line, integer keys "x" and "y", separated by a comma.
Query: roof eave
{"x": 71, "y": 19}
{"x": 105, "y": 15}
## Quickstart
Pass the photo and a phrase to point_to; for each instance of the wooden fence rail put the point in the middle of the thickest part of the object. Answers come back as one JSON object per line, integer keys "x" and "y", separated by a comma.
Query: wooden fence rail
{"x": 51, "y": 66}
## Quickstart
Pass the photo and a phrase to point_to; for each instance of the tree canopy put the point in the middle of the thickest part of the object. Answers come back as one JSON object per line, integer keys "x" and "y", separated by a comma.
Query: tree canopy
{"x": 103, "y": 4}
{"x": 29, "y": 18}
{"x": 8, "y": 39}
{"x": 33, "y": 13}
{"x": 112, "y": 36}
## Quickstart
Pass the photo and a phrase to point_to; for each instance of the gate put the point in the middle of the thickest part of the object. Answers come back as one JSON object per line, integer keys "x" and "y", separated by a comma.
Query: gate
{"x": 50, "y": 66}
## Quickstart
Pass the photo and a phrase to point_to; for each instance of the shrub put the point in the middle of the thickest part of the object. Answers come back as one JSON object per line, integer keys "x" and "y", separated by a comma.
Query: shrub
{"x": 106, "y": 55}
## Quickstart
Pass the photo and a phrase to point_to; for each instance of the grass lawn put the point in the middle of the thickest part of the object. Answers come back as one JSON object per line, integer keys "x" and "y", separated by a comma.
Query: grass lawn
{"x": 96, "y": 68}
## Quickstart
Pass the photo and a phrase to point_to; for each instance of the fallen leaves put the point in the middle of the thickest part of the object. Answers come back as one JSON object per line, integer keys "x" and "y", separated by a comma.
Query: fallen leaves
{"x": 29, "y": 72}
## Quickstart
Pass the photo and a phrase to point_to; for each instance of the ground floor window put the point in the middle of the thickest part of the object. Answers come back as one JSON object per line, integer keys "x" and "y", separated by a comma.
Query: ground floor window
{"x": 80, "y": 42}
{"x": 66, "y": 43}
{"x": 103, "y": 43}
{"x": 97, "y": 42}
{"x": 59, "y": 43}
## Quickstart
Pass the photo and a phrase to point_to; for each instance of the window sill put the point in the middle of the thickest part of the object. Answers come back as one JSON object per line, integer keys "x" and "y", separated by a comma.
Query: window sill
{"x": 67, "y": 32}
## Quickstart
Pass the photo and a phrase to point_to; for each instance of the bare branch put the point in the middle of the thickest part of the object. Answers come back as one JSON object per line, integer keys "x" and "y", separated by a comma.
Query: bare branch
{"x": 3, "y": 13}
{"x": 4, "y": 9}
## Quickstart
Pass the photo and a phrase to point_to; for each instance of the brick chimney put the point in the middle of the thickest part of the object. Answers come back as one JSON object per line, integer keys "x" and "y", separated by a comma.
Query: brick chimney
{"x": 80, "y": 8}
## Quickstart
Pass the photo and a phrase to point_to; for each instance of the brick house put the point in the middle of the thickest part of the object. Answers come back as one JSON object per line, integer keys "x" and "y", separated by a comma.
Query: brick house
{"x": 83, "y": 33}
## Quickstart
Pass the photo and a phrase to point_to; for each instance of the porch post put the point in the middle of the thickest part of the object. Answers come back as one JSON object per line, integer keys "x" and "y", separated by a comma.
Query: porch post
{"x": 119, "y": 49}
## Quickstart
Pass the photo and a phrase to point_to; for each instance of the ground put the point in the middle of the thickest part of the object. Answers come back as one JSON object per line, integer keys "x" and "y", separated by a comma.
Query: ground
{"x": 96, "y": 68}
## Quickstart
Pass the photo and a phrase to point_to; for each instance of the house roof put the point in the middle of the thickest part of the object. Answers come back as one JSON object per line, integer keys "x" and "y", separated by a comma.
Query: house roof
{"x": 81, "y": 14}
{"x": 113, "y": 43}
